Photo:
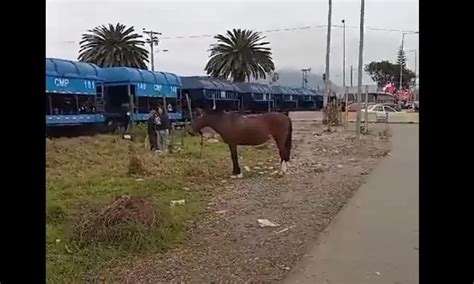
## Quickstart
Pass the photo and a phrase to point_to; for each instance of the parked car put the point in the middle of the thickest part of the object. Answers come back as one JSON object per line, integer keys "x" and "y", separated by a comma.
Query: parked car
{"x": 394, "y": 106}
{"x": 381, "y": 108}
{"x": 381, "y": 111}
{"x": 353, "y": 107}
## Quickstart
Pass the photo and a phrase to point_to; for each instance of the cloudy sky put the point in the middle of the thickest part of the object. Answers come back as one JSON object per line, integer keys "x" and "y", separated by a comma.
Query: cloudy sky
{"x": 66, "y": 20}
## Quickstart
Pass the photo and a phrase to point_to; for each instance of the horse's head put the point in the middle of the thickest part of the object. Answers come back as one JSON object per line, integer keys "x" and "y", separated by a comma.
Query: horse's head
{"x": 198, "y": 122}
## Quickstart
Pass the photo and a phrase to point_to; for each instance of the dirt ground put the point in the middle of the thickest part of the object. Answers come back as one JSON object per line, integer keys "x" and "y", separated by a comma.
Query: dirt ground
{"x": 227, "y": 244}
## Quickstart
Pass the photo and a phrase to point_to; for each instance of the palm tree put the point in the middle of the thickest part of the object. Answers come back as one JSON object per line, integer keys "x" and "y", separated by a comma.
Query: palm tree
{"x": 113, "y": 46}
{"x": 240, "y": 54}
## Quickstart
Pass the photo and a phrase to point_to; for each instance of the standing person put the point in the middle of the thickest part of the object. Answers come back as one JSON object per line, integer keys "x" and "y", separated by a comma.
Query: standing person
{"x": 162, "y": 128}
{"x": 151, "y": 129}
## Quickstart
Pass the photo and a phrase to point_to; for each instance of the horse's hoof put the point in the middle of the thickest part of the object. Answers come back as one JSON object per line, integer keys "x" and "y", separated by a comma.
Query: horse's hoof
{"x": 237, "y": 176}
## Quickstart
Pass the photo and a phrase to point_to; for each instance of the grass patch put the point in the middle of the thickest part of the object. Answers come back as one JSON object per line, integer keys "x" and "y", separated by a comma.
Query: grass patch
{"x": 109, "y": 198}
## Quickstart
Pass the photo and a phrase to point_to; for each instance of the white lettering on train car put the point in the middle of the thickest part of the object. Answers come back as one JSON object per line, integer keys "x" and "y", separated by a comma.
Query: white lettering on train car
{"x": 157, "y": 87}
{"x": 61, "y": 82}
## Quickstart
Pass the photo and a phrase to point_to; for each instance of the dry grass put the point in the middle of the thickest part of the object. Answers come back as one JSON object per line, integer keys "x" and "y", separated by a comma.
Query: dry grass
{"x": 109, "y": 198}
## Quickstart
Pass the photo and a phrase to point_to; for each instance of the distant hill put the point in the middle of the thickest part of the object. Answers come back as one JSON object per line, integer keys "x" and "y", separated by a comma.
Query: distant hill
{"x": 293, "y": 78}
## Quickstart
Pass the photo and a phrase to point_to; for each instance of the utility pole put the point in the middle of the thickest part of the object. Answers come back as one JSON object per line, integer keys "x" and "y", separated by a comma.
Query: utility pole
{"x": 344, "y": 53}
{"x": 152, "y": 40}
{"x": 305, "y": 73}
{"x": 328, "y": 48}
{"x": 273, "y": 78}
{"x": 359, "y": 75}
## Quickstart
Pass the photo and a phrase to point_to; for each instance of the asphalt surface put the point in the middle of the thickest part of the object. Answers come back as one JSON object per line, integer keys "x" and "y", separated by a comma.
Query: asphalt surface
{"x": 306, "y": 115}
{"x": 374, "y": 238}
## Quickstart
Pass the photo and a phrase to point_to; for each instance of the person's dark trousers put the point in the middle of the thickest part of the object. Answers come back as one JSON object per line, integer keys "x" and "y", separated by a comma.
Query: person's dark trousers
{"x": 152, "y": 138}
{"x": 153, "y": 141}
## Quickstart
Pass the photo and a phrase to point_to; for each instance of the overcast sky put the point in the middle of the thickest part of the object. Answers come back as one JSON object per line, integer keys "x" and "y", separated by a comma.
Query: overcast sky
{"x": 66, "y": 20}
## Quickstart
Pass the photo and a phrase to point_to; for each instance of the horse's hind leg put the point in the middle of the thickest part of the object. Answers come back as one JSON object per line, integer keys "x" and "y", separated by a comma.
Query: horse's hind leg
{"x": 236, "y": 173}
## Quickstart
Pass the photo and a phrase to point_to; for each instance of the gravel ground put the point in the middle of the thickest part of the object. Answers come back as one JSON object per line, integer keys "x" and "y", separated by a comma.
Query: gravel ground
{"x": 229, "y": 245}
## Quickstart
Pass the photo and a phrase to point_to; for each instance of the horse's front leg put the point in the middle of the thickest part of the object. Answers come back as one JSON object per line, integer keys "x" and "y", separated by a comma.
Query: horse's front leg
{"x": 236, "y": 173}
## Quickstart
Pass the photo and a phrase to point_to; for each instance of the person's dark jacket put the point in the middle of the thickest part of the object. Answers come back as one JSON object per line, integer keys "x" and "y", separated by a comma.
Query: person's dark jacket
{"x": 151, "y": 126}
{"x": 165, "y": 122}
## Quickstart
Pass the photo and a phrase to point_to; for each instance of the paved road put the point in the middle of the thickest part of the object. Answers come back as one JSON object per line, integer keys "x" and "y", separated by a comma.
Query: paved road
{"x": 374, "y": 239}
{"x": 307, "y": 115}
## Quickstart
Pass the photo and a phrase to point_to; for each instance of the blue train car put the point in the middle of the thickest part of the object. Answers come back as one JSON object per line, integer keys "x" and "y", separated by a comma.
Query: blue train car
{"x": 255, "y": 97}
{"x": 73, "y": 93}
{"x": 173, "y": 95}
{"x": 307, "y": 99}
{"x": 205, "y": 92}
{"x": 285, "y": 98}
{"x": 130, "y": 91}
{"x": 318, "y": 99}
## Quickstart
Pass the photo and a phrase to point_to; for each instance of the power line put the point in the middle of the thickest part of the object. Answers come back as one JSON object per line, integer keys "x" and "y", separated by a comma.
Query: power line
{"x": 284, "y": 30}
{"x": 295, "y": 29}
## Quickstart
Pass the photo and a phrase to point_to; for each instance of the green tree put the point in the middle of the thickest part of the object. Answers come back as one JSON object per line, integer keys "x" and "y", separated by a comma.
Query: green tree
{"x": 113, "y": 46}
{"x": 384, "y": 72}
{"x": 240, "y": 55}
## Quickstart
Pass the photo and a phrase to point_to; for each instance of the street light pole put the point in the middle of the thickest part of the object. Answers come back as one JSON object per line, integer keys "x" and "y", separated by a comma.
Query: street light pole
{"x": 416, "y": 79}
{"x": 401, "y": 66}
{"x": 415, "y": 51}
{"x": 344, "y": 53}
{"x": 352, "y": 68}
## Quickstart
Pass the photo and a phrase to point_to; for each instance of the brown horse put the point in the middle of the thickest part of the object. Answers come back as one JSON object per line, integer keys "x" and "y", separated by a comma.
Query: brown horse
{"x": 237, "y": 129}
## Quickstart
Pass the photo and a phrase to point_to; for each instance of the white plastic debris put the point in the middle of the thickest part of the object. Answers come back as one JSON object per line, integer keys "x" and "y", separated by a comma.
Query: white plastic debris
{"x": 284, "y": 230}
{"x": 127, "y": 136}
{"x": 247, "y": 168}
{"x": 266, "y": 223}
{"x": 221, "y": 211}
{"x": 177, "y": 202}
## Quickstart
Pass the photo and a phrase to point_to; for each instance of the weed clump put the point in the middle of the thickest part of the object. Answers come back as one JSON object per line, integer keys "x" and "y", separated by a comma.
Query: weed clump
{"x": 135, "y": 166}
{"x": 55, "y": 215}
{"x": 128, "y": 224}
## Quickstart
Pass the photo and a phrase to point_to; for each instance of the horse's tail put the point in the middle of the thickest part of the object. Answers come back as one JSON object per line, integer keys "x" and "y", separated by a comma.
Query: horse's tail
{"x": 288, "y": 140}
